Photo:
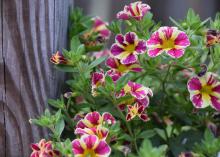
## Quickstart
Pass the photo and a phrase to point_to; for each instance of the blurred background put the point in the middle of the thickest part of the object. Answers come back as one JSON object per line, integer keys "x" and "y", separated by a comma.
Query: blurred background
{"x": 161, "y": 9}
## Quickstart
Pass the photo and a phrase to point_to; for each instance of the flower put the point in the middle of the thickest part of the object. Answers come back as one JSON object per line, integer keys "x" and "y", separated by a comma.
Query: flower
{"x": 204, "y": 91}
{"x": 58, "y": 58}
{"x": 94, "y": 119}
{"x": 186, "y": 154}
{"x": 126, "y": 48}
{"x": 135, "y": 10}
{"x": 115, "y": 75}
{"x": 99, "y": 131}
{"x": 101, "y": 53}
{"x": 90, "y": 145}
{"x": 99, "y": 26}
{"x": 168, "y": 39}
{"x": 115, "y": 65}
{"x": 212, "y": 37}
{"x": 44, "y": 148}
{"x": 98, "y": 79}
{"x": 136, "y": 110}
{"x": 139, "y": 94}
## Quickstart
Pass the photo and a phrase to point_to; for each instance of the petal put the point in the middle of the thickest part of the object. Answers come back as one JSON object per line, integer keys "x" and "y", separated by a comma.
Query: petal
{"x": 155, "y": 52}
{"x": 141, "y": 47}
{"x": 175, "y": 53}
{"x": 129, "y": 117}
{"x": 197, "y": 100}
{"x": 129, "y": 59}
{"x": 94, "y": 118}
{"x": 85, "y": 131}
{"x": 210, "y": 79}
{"x": 216, "y": 89}
{"x": 35, "y": 147}
{"x": 108, "y": 118}
{"x": 122, "y": 15}
{"x": 120, "y": 39}
{"x": 103, "y": 149}
{"x": 97, "y": 77}
{"x": 91, "y": 141}
{"x": 81, "y": 124}
{"x": 182, "y": 40}
{"x": 115, "y": 75}
{"x": 154, "y": 40}
{"x": 112, "y": 63}
{"x": 215, "y": 103}
{"x": 144, "y": 102}
{"x": 77, "y": 147}
{"x": 116, "y": 50}
{"x": 194, "y": 84}
{"x": 144, "y": 117}
{"x": 131, "y": 37}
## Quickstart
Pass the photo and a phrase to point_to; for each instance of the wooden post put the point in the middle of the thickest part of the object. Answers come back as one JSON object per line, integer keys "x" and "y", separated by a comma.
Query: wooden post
{"x": 31, "y": 30}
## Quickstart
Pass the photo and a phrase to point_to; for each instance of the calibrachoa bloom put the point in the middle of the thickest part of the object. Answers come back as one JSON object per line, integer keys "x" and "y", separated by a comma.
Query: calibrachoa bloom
{"x": 212, "y": 37}
{"x": 94, "y": 119}
{"x": 58, "y": 58}
{"x": 136, "y": 110}
{"x": 135, "y": 10}
{"x": 126, "y": 48}
{"x": 115, "y": 65}
{"x": 139, "y": 94}
{"x": 169, "y": 40}
{"x": 115, "y": 75}
{"x": 44, "y": 149}
{"x": 204, "y": 91}
{"x": 98, "y": 79}
{"x": 101, "y": 53}
{"x": 100, "y": 27}
{"x": 90, "y": 145}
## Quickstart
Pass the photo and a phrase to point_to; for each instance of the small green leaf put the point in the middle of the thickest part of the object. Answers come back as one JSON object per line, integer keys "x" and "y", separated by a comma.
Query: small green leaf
{"x": 59, "y": 127}
{"x": 97, "y": 62}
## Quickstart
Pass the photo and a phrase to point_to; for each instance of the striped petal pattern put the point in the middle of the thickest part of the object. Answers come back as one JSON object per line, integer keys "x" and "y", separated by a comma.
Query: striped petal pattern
{"x": 126, "y": 48}
{"x": 204, "y": 91}
{"x": 135, "y": 10}
{"x": 169, "y": 40}
{"x": 58, "y": 58}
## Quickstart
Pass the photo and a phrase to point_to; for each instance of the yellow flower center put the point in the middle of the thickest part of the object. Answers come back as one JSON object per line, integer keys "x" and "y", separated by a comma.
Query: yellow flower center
{"x": 206, "y": 89}
{"x": 134, "y": 111}
{"x": 127, "y": 88}
{"x": 130, "y": 48}
{"x": 89, "y": 153}
{"x": 122, "y": 68}
{"x": 168, "y": 44}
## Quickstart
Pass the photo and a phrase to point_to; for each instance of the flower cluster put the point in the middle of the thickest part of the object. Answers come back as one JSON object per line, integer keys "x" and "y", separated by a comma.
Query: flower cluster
{"x": 93, "y": 131}
{"x": 44, "y": 148}
{"x": 138, "y": 101}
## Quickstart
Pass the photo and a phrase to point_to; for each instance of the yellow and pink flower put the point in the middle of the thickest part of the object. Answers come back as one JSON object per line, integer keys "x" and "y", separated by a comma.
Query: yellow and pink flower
{"x": 212, "y": 37}
{"x": 115, "y": 65}
{"x": 139, "y": 94}
{"x": 44, "y": 148}
{"x": 135, "y": 10}
{"x": 98, "y": 79}
{"x": 58, "y": 58}
{"x": 205, "y": 91}
{"x": 127, "y": 47}
{"x": 100, "y": 27}
{"x": 136, "y": 110}
{"x": 90, "y": 145}
{"x": 95, "y": 124}
{"x": 169, "y": 40}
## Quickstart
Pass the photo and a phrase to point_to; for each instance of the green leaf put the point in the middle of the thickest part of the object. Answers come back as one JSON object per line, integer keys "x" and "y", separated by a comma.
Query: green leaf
{"x": 75, "y": 43}
{"x": 147, "y": 134}
{"x": 97, "y": 62}
{"x": 66, "y": 68}
{"x": 59, "y": 127}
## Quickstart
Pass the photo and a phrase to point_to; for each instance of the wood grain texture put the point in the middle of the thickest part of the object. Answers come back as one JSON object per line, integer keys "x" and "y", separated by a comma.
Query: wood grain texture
{"x": 32, "y": 31}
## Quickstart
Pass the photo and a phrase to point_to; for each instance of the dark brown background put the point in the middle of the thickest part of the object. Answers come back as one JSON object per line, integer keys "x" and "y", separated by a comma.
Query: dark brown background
{"x": 30, "y": 31}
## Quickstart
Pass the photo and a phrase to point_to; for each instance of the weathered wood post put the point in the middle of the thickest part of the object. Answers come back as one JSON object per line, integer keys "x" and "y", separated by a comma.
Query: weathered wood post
{"x": 31, "y": 30}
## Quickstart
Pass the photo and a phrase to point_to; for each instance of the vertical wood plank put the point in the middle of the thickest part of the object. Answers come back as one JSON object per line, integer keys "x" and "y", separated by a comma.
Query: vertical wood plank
{"x": 30, "y": 30}
{"x": 2, "y": 92}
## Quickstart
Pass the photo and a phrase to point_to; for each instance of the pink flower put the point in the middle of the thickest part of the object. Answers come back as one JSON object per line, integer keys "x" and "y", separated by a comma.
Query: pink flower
{"x": 115, "y": 75}
{"x": 204, "y": 91}
{"x": 135, "y": 10}
{"x": 99, "y": 26}
{"x": 115, "y": 65}
{"x": 101, "y": 53}
{"x": 212, "y": 37}
{"x": 126, "y": 48}
{"x": 169, "y": 40}
{"x": 98, "y": 79}
{"x": 139, "y": 94}
{"x": 136, "y": 110}
{"x": 58, "y": 58}
{"x": 94, "y": 119}
{"x": 95, "y": 124}
{"x": 44, "y": 149}
{"x": 90, "y": 145}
